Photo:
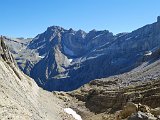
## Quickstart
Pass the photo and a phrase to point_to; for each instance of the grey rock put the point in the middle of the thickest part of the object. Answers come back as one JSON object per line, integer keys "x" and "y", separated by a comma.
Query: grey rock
{"x": 142, "y": 116}
{"x": 5, "y": 53}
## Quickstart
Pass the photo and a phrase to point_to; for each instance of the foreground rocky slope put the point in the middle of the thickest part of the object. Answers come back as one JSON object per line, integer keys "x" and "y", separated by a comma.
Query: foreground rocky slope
{"x": 21, "y": 98}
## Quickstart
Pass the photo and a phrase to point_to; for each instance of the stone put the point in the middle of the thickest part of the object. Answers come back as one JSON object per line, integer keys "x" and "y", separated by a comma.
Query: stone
{"x": 129, "y": 109}
{"x": 132, "y": 108}
{"x": 156, "y": 111}
{"x": 143, "y": 108}
{"x": 5, "y": 53}
{"x": 142, "y": 116}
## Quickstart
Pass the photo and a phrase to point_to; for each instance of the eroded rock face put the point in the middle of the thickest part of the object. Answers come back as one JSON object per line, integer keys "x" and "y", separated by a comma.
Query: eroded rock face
{"x": 100, "y": 99}
{"x": 122, "y": 103}
{"x": 5, "y": 53}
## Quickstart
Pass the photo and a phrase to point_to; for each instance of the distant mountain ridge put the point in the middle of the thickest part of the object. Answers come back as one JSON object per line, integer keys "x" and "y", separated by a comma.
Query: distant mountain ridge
{"x": 63, "y": 59}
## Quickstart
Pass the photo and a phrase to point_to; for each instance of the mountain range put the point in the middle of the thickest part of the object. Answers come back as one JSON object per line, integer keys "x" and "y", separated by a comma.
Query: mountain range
{"x": 117, "y": 76}
{"x": 64, "y": 60}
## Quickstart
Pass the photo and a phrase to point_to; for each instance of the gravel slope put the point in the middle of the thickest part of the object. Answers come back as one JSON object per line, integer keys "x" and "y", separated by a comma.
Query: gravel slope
{"x": 21, "y": 98}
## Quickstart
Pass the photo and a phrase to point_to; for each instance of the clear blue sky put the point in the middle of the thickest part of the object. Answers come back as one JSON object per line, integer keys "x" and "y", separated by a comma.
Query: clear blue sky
{"x": 27, "y": 18}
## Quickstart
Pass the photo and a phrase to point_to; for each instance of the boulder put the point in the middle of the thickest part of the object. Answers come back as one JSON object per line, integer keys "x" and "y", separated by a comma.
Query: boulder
{"x": 142, "y": 116}
{"x": 143, "y": 108}
{"x": 128, "y": 110}
{"x": 156, "y": 111}
{"x": 137, "y": 111}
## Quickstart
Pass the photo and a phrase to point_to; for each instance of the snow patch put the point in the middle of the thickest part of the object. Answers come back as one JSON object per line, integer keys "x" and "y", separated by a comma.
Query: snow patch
{"x": 70, "y": 60}
{"x": 128, "y": 38}
{"x": 73, "y": 113}
{"x": 91, "y": 57}
{"x": 41, "y": 57}
{"x": 68, "y": 51}
{"x": 105, "y": 44}
{"x": 97, "y": 36}
{"x": 148, "y": 53}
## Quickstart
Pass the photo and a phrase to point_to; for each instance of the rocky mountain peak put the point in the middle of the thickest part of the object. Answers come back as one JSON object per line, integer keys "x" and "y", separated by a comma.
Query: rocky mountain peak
{"x": 81, "y": 33}
{"x": 71, "y": 30}
{"x": 4, "y": 52}
{"x": 55, "y": 28}
{"x": 158, "y": 19}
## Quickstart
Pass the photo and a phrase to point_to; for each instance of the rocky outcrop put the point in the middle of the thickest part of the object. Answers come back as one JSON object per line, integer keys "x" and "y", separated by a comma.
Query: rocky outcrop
{"x": 24, "y": 57}
{"x": 128, "y": 110}
{"x": 155, "y": 112}
{"x": 142, "y": 116}
{"x": 5, "y": 53}
{"x": 99, "y": 99}
{"x": 137, "y": 112}
{"x": 121, "y": 103}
